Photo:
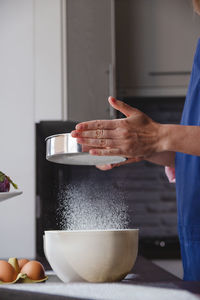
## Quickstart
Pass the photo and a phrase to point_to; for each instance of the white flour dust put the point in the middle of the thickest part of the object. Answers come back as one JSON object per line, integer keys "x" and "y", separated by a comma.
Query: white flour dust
{"x": 85, "y": 207}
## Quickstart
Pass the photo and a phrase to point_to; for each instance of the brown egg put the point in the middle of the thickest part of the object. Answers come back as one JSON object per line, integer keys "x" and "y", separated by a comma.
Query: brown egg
{"x": 22, "y": 262}
{"x": 34, "y": 270}
{"x": 7, "y": 272}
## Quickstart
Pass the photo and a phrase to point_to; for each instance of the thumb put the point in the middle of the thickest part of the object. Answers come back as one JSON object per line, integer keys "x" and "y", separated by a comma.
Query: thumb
{"x": 122, "y": 107}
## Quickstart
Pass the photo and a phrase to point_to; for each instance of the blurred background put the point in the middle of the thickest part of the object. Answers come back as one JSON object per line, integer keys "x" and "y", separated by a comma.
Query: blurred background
{"x": 59, "y": 62}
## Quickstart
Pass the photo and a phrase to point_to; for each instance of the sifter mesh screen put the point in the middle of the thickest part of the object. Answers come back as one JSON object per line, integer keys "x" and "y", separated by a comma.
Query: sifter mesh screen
{"x": 84, "y": 159}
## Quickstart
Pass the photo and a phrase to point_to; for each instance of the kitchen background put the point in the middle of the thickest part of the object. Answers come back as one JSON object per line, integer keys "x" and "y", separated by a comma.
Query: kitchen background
{"x": 59, "y": 61}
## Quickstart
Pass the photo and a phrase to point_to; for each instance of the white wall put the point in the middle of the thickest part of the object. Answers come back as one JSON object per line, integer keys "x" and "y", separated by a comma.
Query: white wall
{"x": 17, "y": 152}
{"x": 30, "y": 91}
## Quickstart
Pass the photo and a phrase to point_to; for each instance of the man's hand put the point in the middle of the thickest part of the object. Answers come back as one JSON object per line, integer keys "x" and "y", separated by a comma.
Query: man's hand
{"x": 137, "y": 136}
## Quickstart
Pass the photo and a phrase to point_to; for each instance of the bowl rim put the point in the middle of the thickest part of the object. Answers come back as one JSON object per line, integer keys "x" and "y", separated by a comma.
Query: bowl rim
{"x": 91, "y": 230}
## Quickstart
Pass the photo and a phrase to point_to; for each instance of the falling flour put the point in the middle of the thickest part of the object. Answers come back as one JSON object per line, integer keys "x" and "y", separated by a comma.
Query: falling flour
{"x": 91, "y": 206}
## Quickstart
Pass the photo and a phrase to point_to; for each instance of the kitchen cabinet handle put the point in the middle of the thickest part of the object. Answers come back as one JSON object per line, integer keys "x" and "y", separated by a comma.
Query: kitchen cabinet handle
{"x": 170, "y": 73}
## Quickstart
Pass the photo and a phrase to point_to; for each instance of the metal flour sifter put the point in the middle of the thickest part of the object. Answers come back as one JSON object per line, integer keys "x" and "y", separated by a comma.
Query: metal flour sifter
{"x": 63, "y": 149}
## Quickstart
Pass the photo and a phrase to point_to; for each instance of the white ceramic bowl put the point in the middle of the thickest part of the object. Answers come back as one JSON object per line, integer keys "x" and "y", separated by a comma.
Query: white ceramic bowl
{"x": 92, "y": 255}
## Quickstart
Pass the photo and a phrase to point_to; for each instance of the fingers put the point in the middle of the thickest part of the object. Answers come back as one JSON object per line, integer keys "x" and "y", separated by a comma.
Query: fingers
{"x": 98, "y": 124}
{"x": 128, "y": 161}
{"x": 132, "y": 160}
{"x": 106, "y": 152}
{"x": 86, "y": 148}
{"x": 96, "y": 134}
{"x": 102, "y": 143}
{"x": 121, "y": 106}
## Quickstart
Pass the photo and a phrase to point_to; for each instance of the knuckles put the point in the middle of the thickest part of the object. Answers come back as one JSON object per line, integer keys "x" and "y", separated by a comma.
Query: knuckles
{"x": 98, "y": 124}
{"x": 103, "y": 143}
{"x": 99, "y": 133}
{"x": 124, "y": 132}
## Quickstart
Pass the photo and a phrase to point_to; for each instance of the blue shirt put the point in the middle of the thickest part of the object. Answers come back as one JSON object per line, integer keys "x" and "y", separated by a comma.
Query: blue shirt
{"x": 188, "y": 182}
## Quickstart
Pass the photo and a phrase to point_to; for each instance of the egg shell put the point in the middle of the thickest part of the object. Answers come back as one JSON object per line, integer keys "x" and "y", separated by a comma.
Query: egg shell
{"x": 22, "y": 262}
{"x": 34, "y": 270}
{"x": 7, "y": 272}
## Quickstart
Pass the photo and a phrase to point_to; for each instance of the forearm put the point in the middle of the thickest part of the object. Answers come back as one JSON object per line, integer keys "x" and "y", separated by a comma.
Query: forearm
{"x": 166, "y": 158}
{"x": 180, "y": 138}
{"x": 176, "y": 138}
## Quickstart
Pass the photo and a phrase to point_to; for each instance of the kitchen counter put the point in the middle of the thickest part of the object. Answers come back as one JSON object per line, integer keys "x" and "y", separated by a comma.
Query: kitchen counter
{"x": 146, "y": 281}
